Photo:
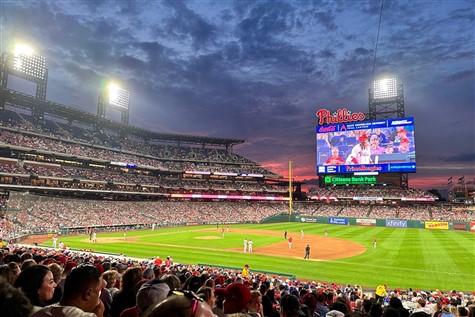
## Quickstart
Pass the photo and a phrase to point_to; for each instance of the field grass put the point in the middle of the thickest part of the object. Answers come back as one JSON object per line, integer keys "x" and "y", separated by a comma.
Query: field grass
{"x": 417, "y": 258}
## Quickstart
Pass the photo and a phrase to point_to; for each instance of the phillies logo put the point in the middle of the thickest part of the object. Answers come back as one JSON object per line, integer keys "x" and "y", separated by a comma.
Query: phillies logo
{"x": 340, "y": 116}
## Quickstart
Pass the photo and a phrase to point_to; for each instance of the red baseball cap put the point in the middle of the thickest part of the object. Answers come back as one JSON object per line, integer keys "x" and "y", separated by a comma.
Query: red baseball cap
{"x": 363, "y": 138}
{"x": 236, "y": 292}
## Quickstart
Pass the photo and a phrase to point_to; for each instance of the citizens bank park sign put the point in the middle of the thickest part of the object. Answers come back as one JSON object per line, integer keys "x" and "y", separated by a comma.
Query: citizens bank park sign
{"x": 340, "y": 116}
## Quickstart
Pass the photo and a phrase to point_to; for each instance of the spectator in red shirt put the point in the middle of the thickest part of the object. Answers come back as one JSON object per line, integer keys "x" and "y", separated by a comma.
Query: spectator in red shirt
{"x": 335, "y": 159}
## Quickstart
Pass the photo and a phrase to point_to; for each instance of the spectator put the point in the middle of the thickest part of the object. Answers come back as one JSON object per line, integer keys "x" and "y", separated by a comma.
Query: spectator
{"x": 37, "y": 283}
{"x": 13, "y": 303}
{"x": 57, "y": 271}
{"x": 404, "y": 146}
{"x": 150, "y": 293}
{"x": 335, "y": 158}
{"x": 15, "y": 268}
{"x": 207, "y": 293}
{"x": 6, "y": 272}
{"x": 376, "y": 310}
{"x": 27, "y": 263}
{"x": 338, "y": 308}
{"x": 375, "y": 146}
{"x": 192, "y": 283}
{"x": 172, "y": 281}
{"x": 81, "y": 295}
{"x": 67, "y": 269}
{"x": 361, "y": 153}
{"x": 254, "y": 308}
{"x": 186, "y": 305}
{"x": 125, "y": 298}
{"x": 110, "y": 276}
{"x": 267, "y": 304}
{"x": 322, "y": 308}
{"x": 290, "y": 306}
{"x": 462, "y": 311}
{"x": 236, "y": 298}
{"x": 148, "y": 273}
{"x": 396, "y": 303}
{"x": 309, "y": 300}
{"x": 367, "y": 305}
{"x": 446, "y": 311}
{"x": 391, "y": 312}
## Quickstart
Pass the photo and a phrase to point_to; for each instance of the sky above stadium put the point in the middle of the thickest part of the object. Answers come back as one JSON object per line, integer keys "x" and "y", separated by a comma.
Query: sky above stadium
{"x": 259, "y": 70}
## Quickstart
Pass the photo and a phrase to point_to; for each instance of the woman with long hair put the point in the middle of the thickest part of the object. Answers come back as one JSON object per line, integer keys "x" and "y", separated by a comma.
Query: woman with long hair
{"x": 37, "y": 283}
{"x": 125, "y": 297}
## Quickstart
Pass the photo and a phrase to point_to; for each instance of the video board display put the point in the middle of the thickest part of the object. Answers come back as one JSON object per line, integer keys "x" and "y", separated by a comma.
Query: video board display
{"x": 382, "y": 146}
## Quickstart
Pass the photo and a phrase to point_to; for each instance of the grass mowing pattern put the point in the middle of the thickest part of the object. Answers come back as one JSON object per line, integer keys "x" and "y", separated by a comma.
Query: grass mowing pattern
{"x": 417, "y": 258}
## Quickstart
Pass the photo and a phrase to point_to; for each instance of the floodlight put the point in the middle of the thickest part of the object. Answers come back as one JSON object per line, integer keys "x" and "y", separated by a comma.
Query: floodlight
{"x": 22, "y": 49}
{"x": 385, "y": 88}
{"x": 118, "y": 97}
{"x": 29, "y": 63}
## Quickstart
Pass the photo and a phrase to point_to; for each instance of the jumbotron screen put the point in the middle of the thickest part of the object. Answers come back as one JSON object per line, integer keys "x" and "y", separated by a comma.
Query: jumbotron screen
{"x": 380, "y": 146}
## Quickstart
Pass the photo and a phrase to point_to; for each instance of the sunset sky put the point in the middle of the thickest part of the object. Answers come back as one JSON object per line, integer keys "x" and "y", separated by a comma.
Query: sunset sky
{"x": 259, "y": 70}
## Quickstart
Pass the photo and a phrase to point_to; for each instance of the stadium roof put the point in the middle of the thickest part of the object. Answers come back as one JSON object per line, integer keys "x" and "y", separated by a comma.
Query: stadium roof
{"x": 22, "y": 100}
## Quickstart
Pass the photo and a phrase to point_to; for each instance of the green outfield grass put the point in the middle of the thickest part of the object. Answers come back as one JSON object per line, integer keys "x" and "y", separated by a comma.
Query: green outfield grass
{"x": 417, "y": 258}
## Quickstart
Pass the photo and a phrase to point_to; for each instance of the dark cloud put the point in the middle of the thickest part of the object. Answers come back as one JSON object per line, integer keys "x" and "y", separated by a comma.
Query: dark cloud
{"x": 326, "y": 19}
{"x": 462, "y": 157}
{"x": 462, "y": 75}
{"x": 184, "y": 24}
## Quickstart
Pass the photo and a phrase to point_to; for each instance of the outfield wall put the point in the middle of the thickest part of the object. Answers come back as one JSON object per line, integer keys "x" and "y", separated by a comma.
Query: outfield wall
{"x": 373, "y": 222}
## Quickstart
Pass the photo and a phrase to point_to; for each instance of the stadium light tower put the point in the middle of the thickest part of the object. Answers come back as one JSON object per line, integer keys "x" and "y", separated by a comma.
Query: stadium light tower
{"x": 386, "y": 100}
{"x": 24, "y": 63}
{"x": 116, "y": 98}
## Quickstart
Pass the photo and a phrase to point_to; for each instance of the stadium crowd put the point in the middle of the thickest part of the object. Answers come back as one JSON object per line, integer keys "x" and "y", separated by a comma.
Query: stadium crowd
{"x": 30, "y": 214}
{"x": 35, "y": 214}
{"x": 170, "y": 158}
{"x": 422, "y": 212}
{"x": 52, "y": 172}
{"x": 370, "y": 191}
{"x": 50, "y": 282}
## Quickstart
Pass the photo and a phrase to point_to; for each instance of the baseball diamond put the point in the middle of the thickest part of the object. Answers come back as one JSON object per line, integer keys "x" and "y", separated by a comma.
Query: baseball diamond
{"x": 404, "y": 257}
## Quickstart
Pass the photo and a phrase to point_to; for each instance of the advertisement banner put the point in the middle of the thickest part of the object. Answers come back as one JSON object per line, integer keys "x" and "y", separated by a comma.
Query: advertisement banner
{"x": 441, "y": 225}
{"x": 460, "y": 226}
{"x": 308, "y": 219}
{"x": 396, "y": 223}
{"x": 472, "y": 226}
{"x": 417, "y": 199}
{"x": 368, "y": 198}
{"x": 366, "y": 222}
{"x": 351, "y": 180}
{"x": 338, "y": 221}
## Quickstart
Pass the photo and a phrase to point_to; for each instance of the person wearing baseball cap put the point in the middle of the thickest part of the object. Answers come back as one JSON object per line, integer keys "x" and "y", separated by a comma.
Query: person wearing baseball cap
{"x": 246, "y": 272}
{"x": 150, "y": 293}
{"x": 403, "y": 145}
{"x": 361, "y": 152}
{"x": 236, "y": 298}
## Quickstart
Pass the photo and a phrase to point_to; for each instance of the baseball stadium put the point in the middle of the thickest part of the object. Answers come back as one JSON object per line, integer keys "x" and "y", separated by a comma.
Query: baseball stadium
{"x": 79, "y": 187}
